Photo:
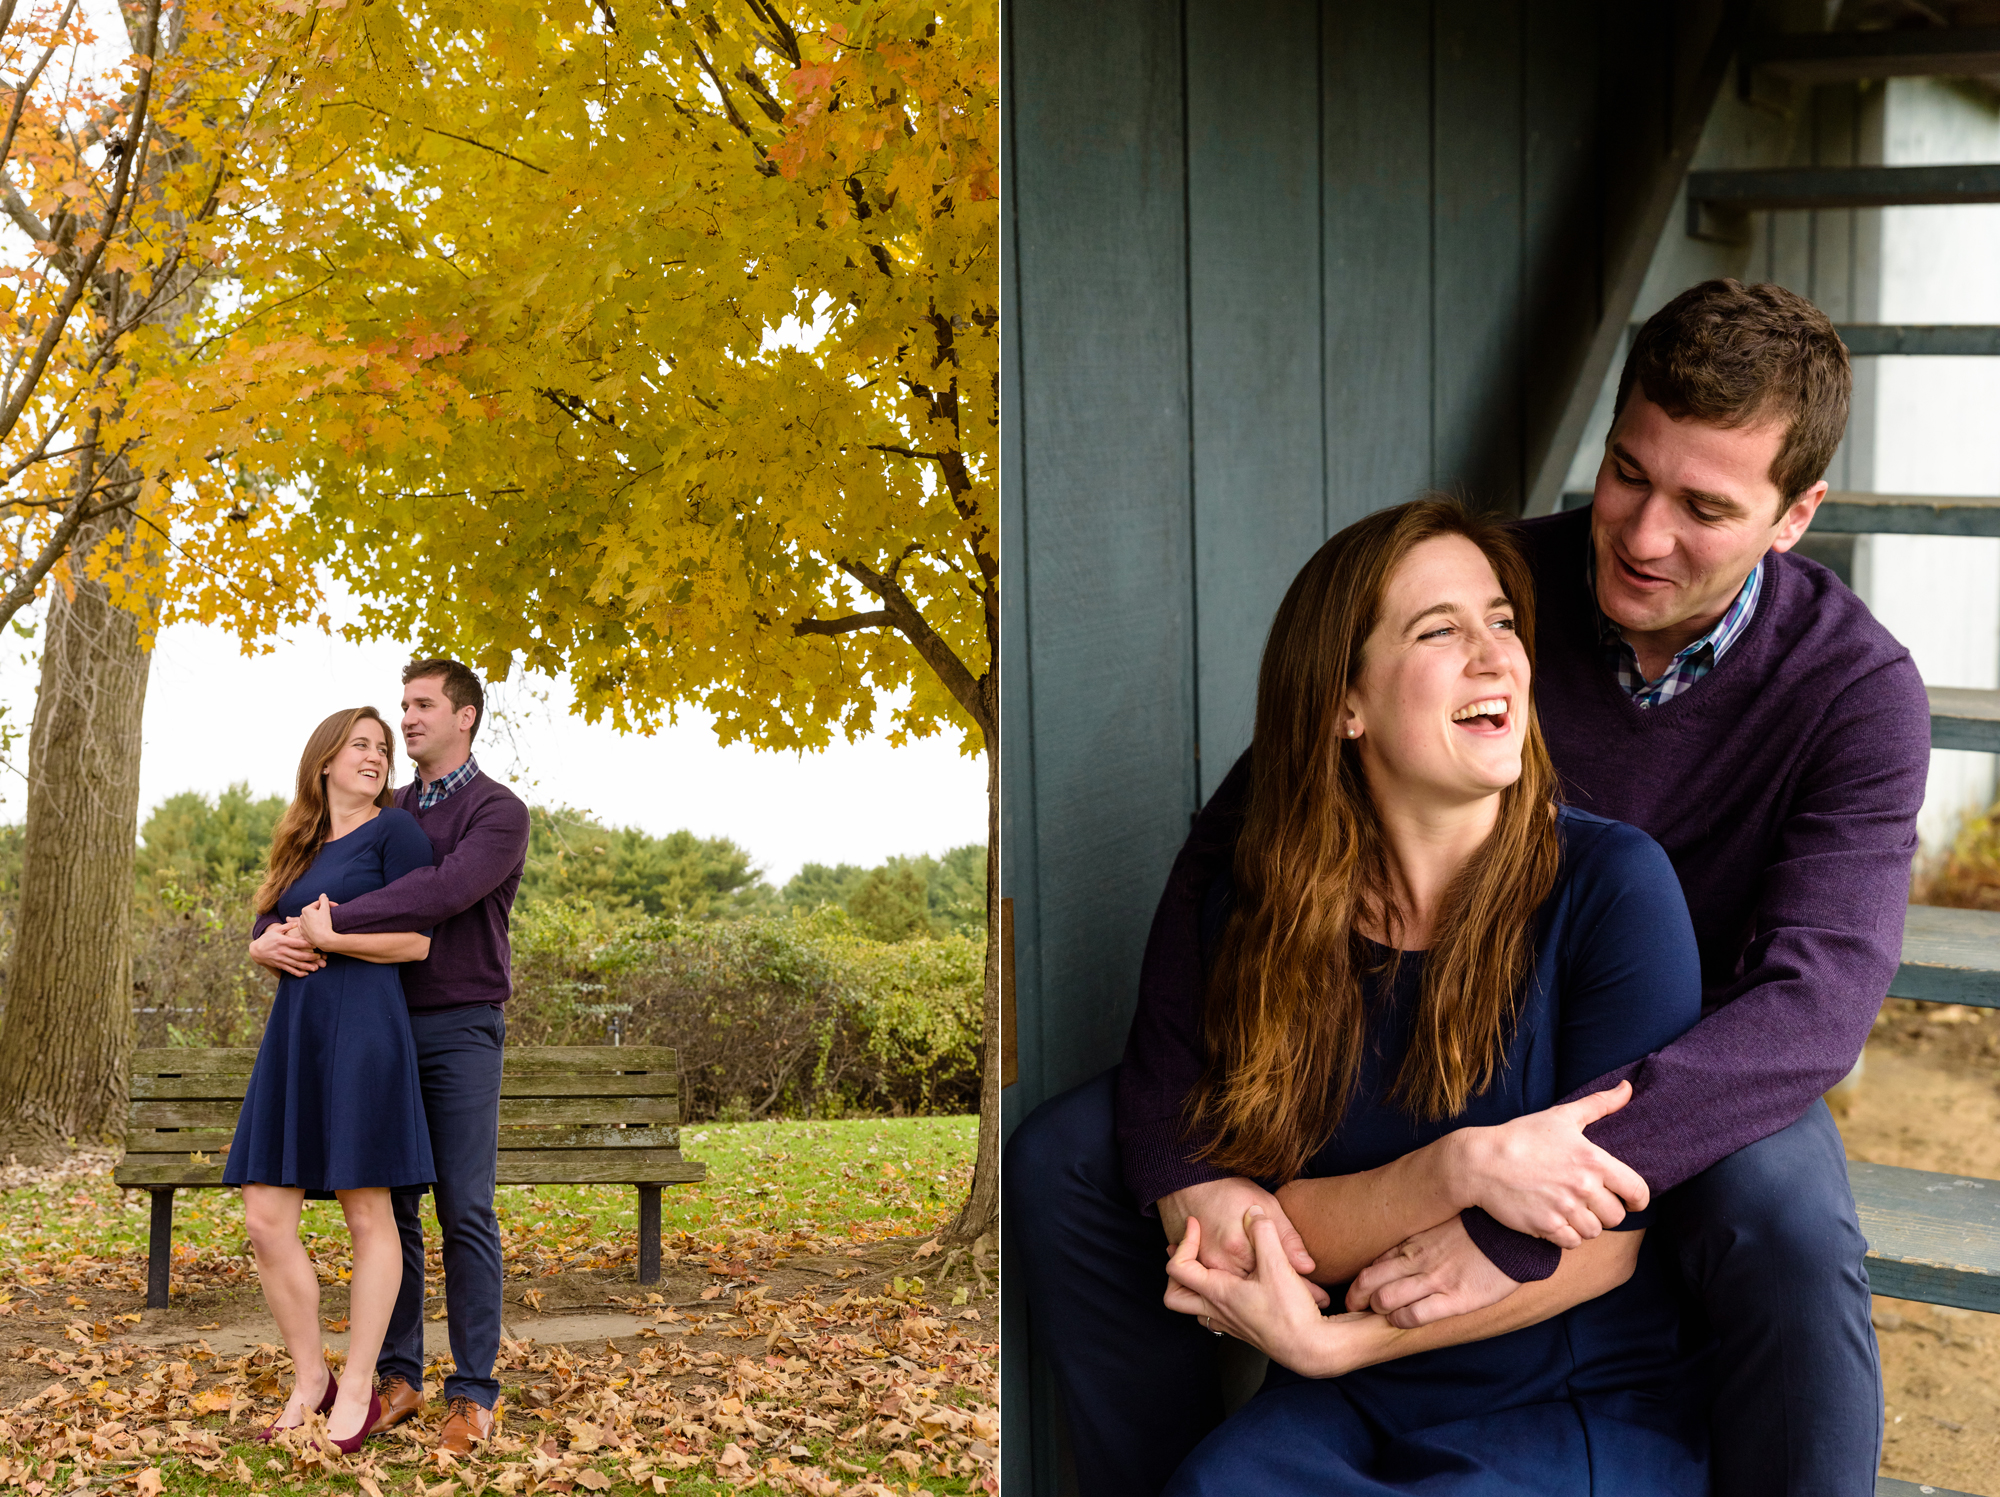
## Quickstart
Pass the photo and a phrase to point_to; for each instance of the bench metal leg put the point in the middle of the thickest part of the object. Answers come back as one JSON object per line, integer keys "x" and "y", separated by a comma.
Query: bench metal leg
{"x": 160, "y": 1248}
{"x": 649, "y": 1234}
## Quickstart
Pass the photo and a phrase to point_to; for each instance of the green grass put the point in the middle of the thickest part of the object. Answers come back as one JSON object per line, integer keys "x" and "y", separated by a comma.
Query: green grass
{"x": 852, "y": 1180}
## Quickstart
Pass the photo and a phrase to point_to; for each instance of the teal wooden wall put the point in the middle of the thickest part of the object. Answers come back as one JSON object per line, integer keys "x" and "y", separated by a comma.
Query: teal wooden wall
{"x": 1269, "y": 265}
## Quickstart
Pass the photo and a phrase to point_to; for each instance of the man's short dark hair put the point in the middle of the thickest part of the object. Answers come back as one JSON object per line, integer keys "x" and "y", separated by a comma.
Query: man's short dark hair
{"x": 461, "y": 687}
{"x": 1736, "y": 355}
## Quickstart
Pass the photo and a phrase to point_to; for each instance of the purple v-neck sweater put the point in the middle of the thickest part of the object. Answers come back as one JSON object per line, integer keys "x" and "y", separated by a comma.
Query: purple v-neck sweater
{"x": 479, "y": 834}
{"x": 1784, "y": 785}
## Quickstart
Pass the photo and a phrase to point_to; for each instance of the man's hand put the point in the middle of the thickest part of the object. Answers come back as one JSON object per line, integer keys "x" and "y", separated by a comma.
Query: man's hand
{"x": 316, "y": 920}
{"x": 285, "y": 950}
{"x": 1438, "y": 1273}
{"x": 1225, "y": 1245}
{"x": 1538, "y": 1174}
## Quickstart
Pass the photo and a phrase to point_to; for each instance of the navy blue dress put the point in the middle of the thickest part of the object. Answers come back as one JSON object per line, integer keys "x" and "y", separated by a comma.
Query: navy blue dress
{"x": 333, "y": 1102}
{"x": 1599, "y": 1399}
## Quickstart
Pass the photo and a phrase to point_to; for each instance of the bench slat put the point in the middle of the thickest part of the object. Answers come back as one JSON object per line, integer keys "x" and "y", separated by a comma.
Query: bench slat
{"x": 650, "y": 1137}
{"x": 180, "y": 1142}
{"x": 184, "y": 1113}
{"x": 593, "y": 1060}
{"x": 167, "y": 1169}
{"x": 555, "y": 1084}
{"x": 599, "y": 1167}
{"x": 148, "y": 1117}
{"x": 213, "y": 1084}
{"x": 587, "y": 1112}
{"x": 186, "y": 1061}
{"x": 204, "y": 1086}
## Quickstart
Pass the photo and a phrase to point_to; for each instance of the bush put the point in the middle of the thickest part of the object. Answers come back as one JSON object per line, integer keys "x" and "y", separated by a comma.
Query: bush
{"x": 193, "y": 982}
{"x": 792, "y": 1015}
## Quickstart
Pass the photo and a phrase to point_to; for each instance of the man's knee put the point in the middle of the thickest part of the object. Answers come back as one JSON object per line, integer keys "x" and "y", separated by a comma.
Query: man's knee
{"x": 1783, "y": 1200}
{"x": 1069, "y": 1140}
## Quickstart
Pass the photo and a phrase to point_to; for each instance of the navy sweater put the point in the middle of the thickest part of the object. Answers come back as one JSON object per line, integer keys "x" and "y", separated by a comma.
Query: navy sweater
{"x": 1784, "y": 786}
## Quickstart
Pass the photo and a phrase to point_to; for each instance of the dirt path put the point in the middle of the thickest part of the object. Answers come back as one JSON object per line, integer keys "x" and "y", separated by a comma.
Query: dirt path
{"x": 1930, "y": 1099}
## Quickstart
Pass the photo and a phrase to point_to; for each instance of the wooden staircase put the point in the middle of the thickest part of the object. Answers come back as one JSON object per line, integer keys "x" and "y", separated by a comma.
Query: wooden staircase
{"x": 1931, "y": 1237}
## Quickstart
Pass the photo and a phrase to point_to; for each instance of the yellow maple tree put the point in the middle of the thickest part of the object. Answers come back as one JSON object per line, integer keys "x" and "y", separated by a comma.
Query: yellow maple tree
{"x": 651, "y": 346}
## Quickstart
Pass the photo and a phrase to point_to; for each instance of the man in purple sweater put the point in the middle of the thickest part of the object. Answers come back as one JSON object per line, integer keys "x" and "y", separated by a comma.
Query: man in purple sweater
{"x": 1742, "y": 707}
{"x": 479, "y": 837}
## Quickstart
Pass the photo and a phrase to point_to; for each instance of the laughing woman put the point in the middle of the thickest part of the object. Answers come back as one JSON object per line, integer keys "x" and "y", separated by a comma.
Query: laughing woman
{"x": 333, "y": 1109}
{"x": 1416, "y": 950}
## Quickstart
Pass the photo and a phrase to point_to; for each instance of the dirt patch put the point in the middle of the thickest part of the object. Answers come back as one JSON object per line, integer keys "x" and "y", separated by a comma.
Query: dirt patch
{"x": 1929, "y": 1099}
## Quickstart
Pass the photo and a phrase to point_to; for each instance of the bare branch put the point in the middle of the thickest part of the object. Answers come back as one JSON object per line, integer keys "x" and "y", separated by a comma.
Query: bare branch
{"x": 973, "y": 693}
{"x": 25, "y": 219}
{"x": 853, "y": 621}
{"x": 80, "y": 278}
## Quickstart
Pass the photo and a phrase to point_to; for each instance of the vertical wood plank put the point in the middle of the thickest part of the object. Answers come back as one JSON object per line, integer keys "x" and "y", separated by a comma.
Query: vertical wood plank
{"x": 1476, "y": 294}
{"x": 1026, "y": 1449}
{"x": 1376, "y": 183}
{"x": 1105, "y": 545}
{"x": 1254, "y": 341}
{"x": 1563, "y": 212}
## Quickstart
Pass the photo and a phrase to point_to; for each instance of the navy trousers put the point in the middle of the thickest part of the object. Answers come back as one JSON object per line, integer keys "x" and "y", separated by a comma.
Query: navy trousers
{"x": 1767, "y": 1238}
{"x": 458, "y": 1065}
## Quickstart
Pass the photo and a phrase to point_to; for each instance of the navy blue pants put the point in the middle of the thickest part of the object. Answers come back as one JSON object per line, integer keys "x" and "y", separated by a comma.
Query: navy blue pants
{"x": 458, "y": 1066}
{"x": 1768, "y": 1241}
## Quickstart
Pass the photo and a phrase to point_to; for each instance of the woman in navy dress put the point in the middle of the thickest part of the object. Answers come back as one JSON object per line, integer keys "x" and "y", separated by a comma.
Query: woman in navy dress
{"x": 1416, "y": 956}
{"x": 333, "y": 1109}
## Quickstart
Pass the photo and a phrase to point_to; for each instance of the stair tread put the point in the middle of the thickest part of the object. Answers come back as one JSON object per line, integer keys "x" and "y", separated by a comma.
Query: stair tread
{"x": 1931, "y": 1237}
{"x": 1960, "y": 339}
{"x": 1889, "y": 1486}
{"x": 1848, "y": 512}
{"x": 1950, "y": 956}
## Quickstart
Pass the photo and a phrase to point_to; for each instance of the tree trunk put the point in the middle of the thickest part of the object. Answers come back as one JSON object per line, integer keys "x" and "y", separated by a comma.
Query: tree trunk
{"x": 981, "y": 1212}
{"x": 66, "y": 1037}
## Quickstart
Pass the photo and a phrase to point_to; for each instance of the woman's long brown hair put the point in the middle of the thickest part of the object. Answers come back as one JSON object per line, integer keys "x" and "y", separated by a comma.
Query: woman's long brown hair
{"x": 308, "y": 819}
{"x": 1284, "y": 1016}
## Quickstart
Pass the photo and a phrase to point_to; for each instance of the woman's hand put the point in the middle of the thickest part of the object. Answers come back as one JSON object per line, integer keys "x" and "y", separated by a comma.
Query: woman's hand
{"x": 1274, "y": 1309}
{"x": 284, "y": 949}
{"x": 1538, "y": 1174}
{"x": 1434, "y": 1275}
{"x": 316, "y": 920}
{"x": 1221, "y": 1206}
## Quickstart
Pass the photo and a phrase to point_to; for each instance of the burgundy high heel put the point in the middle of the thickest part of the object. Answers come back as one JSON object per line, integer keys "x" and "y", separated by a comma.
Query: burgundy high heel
{"x": 354, "y": 1441}
{"x": 270, "y": 1431}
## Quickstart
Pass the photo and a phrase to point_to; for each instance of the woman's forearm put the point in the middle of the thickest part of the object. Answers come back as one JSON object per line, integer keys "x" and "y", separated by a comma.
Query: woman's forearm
{"x": 389, "y": 946}
{"x": 1348, "y": 1221}
{"x": 1363, "y": 1340}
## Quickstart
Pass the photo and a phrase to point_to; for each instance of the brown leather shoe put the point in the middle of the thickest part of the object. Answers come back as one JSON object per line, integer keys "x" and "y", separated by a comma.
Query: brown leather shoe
{"x": 466, "y": 1423}
{"x": 399, "y": 1402}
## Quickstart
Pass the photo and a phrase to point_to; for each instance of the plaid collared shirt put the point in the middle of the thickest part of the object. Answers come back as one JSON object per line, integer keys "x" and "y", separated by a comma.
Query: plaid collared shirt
{"x": 1692, "y": 663}
{"x": 438, "y": 789}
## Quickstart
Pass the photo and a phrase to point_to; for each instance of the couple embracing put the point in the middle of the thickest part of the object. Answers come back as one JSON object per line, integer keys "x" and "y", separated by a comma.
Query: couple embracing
{"x": 384, "y": 913}
{"x": 1484, "y": 1023}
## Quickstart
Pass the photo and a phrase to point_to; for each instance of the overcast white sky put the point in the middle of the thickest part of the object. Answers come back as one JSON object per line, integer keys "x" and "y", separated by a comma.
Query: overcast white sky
{"x": 214, "y": 717}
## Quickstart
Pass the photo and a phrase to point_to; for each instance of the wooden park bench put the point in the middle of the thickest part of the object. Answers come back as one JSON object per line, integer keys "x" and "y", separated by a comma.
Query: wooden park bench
{"x": 569, "y": 1115}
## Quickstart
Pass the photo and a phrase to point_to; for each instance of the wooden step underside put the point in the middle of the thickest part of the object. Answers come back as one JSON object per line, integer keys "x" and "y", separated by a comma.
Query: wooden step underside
{"x": 1758, "y": 189}
{"x": 1847, "y": 56}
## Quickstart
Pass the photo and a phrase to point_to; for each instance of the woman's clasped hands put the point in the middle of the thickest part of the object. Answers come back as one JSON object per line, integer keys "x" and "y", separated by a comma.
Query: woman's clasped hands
{"x": 1275, "y": 1309}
